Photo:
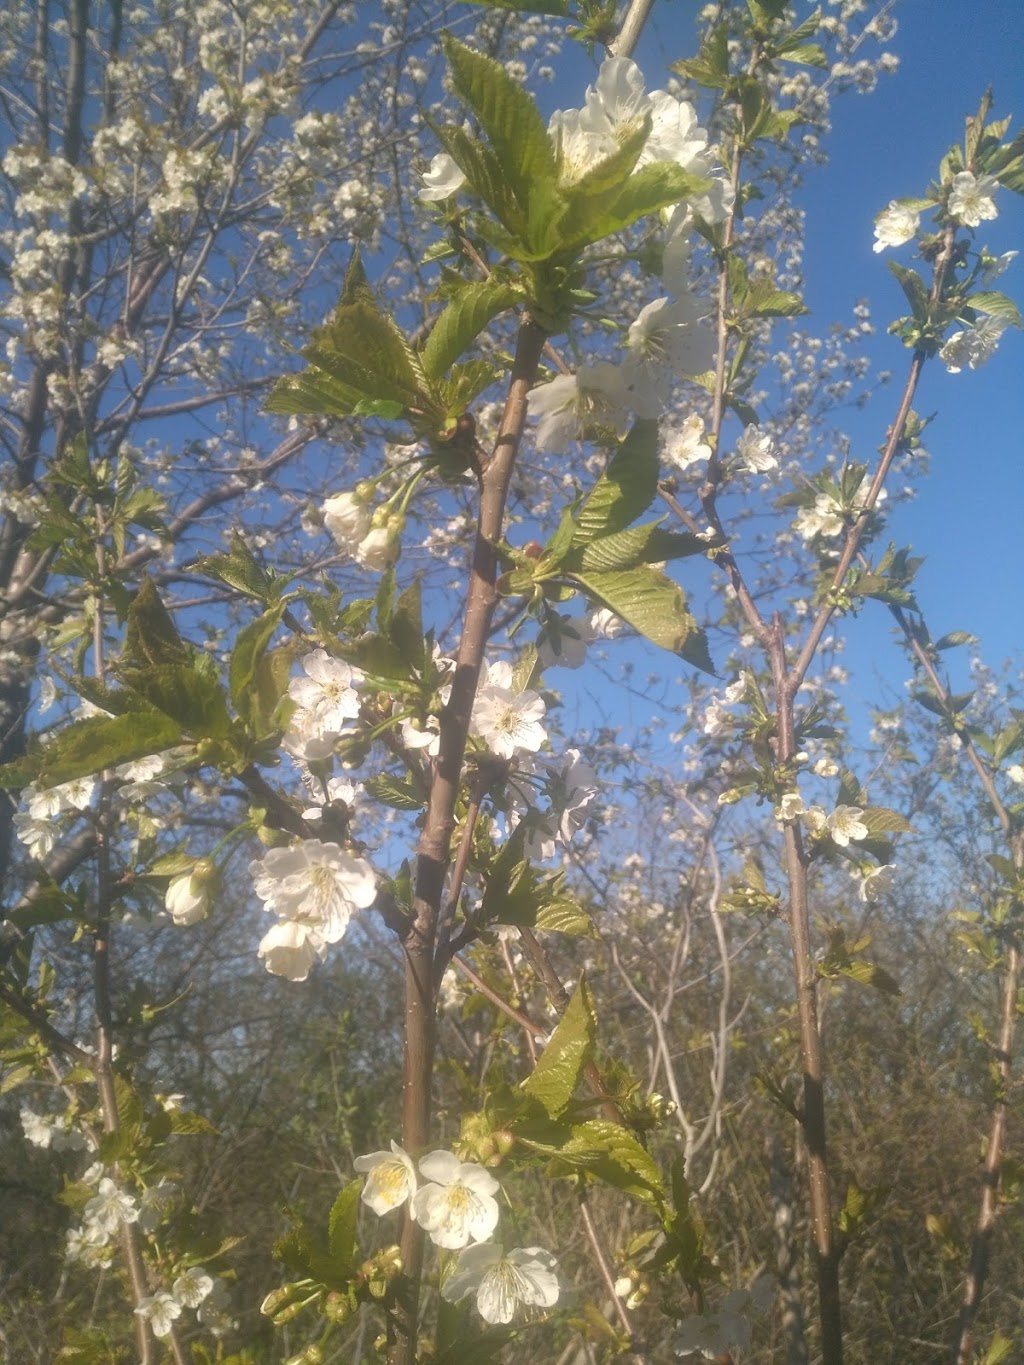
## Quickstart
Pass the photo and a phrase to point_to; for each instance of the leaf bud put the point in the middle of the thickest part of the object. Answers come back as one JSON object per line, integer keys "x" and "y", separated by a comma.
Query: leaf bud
{"x": 533, "y": 549}
{"x": 337, "y": 1307}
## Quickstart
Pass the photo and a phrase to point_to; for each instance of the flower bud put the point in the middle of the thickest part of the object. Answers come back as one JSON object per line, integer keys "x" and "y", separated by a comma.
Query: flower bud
{"x": 189, "y": 896}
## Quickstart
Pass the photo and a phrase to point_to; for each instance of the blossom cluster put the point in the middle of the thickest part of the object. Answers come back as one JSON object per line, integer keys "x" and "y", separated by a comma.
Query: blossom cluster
{"x": 454, "y": 1202}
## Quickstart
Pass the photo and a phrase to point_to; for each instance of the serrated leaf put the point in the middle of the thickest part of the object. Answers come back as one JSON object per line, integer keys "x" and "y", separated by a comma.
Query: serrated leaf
{"x": 366, "y": 351}
{"x": 341, "y": 1228}
{"x": 566, "y": 917}
{"x": 508, "y": 116}
{"x": 881, "y": 820}
{"x": 242, "y": 570}
{"x": 914, "y": 288}
{"x": 405, "y": 626}
{"x": 625, "y": 490}
{"x": 151, "y": 636}
{"x": 462, "y": 321}
{"x": 807, "y": 54}
{"x": 636, "y": 545}
{"x": 996, "y": 305}
{"x": 250, "y": 646}
{"x": 484, "y": 178}
{"x": 89, "y": 746}
{"x": 610, "y": 1153}
{"x": 659, "y": 185}
{"x": 194, "y": 700}
{"x": 558, "y": 1070}
{"x": 653, "y": 605}
{"x": 399, "y": 793}
{"x": 869, "y": 974}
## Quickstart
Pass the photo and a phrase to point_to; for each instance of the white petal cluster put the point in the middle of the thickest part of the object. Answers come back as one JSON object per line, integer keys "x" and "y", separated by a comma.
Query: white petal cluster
{"x": 876, "y": 883}
{"x": 442, "y": 180}
{"x": 503, "y": 1281}
{"x": 564, "y": 407}
{"x": 314, "y": 888}
{"x": 971, "y": 198}
{"x": 845, "y": 824}
{"x": 756, "y": 451}
{"x": 685, "y": 446}
{"x": 371, "y": 538}
{"x": 390, "y": 1179}
{"x": 509, "y": 722}
{"x": 666, "y": 341}
{"x": 326, "y": 699}
{"x": 161, "y": 1311}
{"x": 971, "y": 348}
{"x": 728, "y": 1328}
{"x": 825, "y": 516}
{"x": 895, "y": 225}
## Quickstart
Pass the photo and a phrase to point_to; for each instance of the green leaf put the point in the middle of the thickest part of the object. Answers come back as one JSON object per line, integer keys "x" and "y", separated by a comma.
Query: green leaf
{"x": 342, "y": 1226}
{"x": 657, "y": 186}
{"x": 151, "y": 636}
{"x": 995, "y": 304}
{"x": 462, "y": 321}
{"x": 607, "y": 1151}
{"x": 647, "y": 544}
{"x": 242, "y": 570}
{"x": 557, "y": 1073}
{"x": 653, "y": 605}
{"x": 914, "y": 288}
{"x": 565, "y": 916}
{"x": 196, "y": 701}
{"x": 405, "y": 627}
{"x": 366, "y": 351}
{"x": 881, "y": 820}
{"x": 807, "y": 54}
{"x": 485, "y": 178}
{"x": 398, "y": 793}
{"x": 250, "y": 647}
{"x": 765, "y": 301}
{"x": 869, "y": 974}
{"x": 100, "y": 742}
{"x": 507, "y": 115}
{"x": 626, "y": 488}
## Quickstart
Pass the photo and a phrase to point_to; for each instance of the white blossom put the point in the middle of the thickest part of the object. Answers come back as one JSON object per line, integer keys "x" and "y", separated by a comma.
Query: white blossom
{"x": 1015, "y": 772}
{"x": 757, "y": 451}
{"x": 328, "y": 691}
{"x": 844, "y": 824}
{"x": 443, "y": 179}
{"x": 188, "y": 898}
{"x": 316, "y": 885}
{"x": 192, "y": 1287}
{"x": 161, "y": 1311}
{"x": 109, "y": 1208}
{"x": 970, "y": 199}
{"x": 595, "y": 394}
{"x": 972, "y": 347}
{"x": 458, "y": 1205}
{"x": 347, "y": 517}
{"x": 876, "y": 883}
{"x": 390, "y": 1179}
{"x": 290, "y": 949}
{"x": 684, "y": 446}
{"x": 508, "y": 722}
{"x": 895, "y": 225}
{"x": 502, "y": 1281}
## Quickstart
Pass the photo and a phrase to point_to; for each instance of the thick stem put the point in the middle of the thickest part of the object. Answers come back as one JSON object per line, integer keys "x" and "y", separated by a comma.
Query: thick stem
{"x": 435, "y": 842}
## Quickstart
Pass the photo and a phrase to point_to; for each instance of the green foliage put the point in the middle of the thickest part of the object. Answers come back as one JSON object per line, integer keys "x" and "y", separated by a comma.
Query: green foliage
{"x": 554, "y": 1079}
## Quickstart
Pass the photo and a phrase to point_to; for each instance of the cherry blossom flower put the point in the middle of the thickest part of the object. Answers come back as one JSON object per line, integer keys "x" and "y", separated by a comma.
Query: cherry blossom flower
{"x": 563, "y": 641}
{"x": 390, "y": 1179}
{"x": 39, "y": 836}
{"x": 972, "y": 347}
{"x": 458, "y": 1205}
{"x": 757, "y": 451}
{"x": 381, "y": 546}
{"x": 876, "y": 883}
{"x": 317, "y": 885}
{"x": 666, "y": 340}
{"x": 675, "y": 134}
{"x": 508, "y": 722}
{"x": 594, "y": 394}
{"x": 1015, "y": 772}
{"x": 108, "y": 1209}
{"x": 895, "y": 225}
{"x": 573, "y": 789}
{"x": 188, "y": 898}
{"x": 192, "y": 1287}
{"x": 347, "y": 517}
{"x": 790, "y": 807}
{"x": 328, "y": 691}
{"x": 161, "y": 1311}
{"x": 442, "y": 180}
{"x": 685, "y": 445}
{"x": 970, "y": 199}
{"x": 502, "y": 1281}
{"x": 844, "y": 824}
{"x": 290, "y": 949}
